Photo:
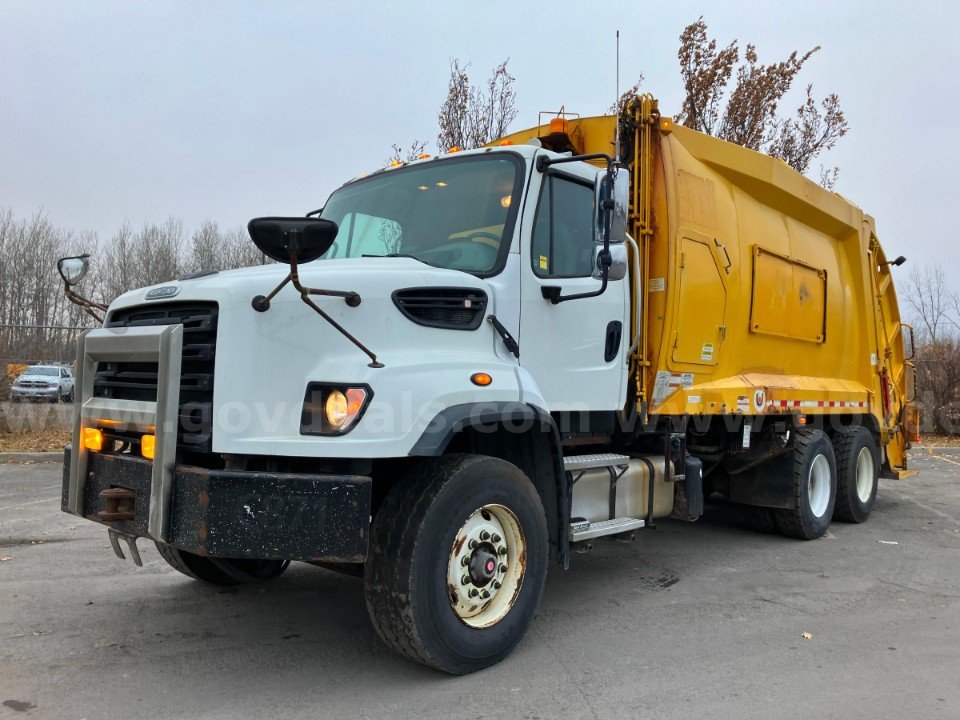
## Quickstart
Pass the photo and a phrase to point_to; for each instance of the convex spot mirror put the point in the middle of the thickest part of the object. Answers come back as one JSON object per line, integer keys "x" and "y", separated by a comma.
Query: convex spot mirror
{"x": 278, "y": 236}
{"x": 73, "y": 269}
{"x": 617, "y": 269}
{"x": 612, "y": 198}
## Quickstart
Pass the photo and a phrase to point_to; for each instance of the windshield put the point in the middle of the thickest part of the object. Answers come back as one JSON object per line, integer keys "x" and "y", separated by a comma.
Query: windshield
{"x": 46, "y": 371}
{"x": 456, "y": 213}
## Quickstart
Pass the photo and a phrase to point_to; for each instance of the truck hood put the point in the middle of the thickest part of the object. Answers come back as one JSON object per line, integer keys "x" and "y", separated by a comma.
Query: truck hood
{"x": 367, "y": 276}
{"x": 265, "y": 360}
{"x": 289, "y": 323}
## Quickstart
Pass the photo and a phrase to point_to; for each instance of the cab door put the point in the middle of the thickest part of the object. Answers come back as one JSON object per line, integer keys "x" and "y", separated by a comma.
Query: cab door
{"x": 574, "y": 350}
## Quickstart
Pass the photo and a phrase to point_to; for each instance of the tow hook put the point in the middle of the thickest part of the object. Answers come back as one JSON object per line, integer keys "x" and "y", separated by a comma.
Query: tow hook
{"x": 131, "y": 540}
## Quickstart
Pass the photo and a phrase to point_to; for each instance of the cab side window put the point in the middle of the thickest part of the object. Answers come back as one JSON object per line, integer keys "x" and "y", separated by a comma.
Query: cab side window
{"x": 563, "y": 233}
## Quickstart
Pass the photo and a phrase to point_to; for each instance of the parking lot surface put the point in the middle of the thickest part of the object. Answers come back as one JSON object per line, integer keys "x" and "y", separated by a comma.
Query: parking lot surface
{"x": 702, "y": 620}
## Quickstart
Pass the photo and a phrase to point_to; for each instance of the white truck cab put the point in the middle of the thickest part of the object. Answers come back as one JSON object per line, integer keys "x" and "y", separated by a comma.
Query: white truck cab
{"x": 444, "y": 317}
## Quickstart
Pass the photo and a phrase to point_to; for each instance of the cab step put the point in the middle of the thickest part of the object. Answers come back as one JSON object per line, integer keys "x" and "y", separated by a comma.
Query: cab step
{"x": 589, "y": 462}
{"x": 585, "y": 530}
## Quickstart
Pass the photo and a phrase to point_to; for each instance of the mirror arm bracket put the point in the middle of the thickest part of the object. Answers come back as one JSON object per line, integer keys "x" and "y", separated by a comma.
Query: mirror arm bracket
{"x": 88, "y": 305}
{"x": 552, "y": 292}
{"x": 543, "y": 162}
{"x": 261, "y": 303}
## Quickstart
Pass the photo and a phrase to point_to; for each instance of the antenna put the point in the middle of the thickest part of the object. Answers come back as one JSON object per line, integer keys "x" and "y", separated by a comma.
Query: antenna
{"x": 616, "y": 105}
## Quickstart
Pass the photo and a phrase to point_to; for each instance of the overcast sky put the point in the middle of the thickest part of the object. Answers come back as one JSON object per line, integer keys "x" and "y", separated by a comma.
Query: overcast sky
{"x": 113, "y": 112}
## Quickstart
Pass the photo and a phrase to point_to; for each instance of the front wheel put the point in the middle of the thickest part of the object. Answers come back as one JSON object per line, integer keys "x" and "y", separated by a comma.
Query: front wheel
{"x": 457, "y": 562}
{"x": 222, "y": 571}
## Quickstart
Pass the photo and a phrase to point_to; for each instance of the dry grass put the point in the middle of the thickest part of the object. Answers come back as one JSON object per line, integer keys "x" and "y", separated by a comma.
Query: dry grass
{"x": 30, "y": 427}
{"x": 48, "y": 440}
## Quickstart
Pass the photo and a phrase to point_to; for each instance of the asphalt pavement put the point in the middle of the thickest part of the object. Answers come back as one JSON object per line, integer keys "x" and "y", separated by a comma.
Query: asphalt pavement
{"x": 700, "y": 620}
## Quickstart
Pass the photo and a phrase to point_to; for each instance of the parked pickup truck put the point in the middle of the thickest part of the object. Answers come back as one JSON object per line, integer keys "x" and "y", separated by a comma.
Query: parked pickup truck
{"x": 52, "y": 383}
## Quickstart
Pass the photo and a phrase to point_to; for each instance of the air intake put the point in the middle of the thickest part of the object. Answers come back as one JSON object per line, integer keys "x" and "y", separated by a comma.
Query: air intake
{"x": 447, "y": 308}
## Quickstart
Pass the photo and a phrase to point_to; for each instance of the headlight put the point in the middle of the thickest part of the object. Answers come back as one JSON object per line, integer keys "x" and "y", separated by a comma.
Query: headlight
{"x": 332, "y": 409}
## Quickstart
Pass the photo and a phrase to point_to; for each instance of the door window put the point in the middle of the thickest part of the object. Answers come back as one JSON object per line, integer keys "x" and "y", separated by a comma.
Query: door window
{"x": 563, "y": 232}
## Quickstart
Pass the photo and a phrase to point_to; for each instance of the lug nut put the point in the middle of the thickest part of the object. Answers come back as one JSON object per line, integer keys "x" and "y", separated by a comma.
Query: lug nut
{"x": 502, "y": 550}
{"x": 484, "y": 535}
{"x": 496, "y": 538}
{"x": 503, "y": 568}
{"x": 496, "y": 585}
{"x": 474, "y": 592}
{"x": 485, "y": 594}
{"x": 472, "y": 544}
{"x": 465, "y": 580}
{"x": 465, "y": 560}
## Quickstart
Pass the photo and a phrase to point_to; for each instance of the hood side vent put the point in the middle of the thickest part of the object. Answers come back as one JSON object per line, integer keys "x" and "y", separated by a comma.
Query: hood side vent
{"x": 443, "y": 307}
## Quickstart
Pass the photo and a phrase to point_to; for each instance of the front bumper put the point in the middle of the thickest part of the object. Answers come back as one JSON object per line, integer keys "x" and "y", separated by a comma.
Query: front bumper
{"x": 34, "y": 393}
{"x": 231, "y": 514}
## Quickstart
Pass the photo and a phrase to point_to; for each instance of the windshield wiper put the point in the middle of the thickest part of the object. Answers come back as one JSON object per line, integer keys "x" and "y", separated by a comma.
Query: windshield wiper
{"x": 402, "y": 255}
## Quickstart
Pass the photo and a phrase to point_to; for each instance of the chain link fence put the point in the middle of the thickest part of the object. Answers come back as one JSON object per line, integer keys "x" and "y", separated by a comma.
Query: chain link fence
{"x": 24, "y": 345}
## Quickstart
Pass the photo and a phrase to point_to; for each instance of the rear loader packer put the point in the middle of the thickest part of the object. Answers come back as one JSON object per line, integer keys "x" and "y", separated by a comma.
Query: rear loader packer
{"x": 465, "y": 366}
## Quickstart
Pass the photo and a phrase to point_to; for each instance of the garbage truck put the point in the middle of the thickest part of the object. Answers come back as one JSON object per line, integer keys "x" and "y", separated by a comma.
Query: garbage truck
{"x": 465, "y": 367}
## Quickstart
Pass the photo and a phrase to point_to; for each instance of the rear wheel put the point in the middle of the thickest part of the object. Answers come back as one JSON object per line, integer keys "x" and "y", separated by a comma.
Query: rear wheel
{"x": 858, "y": 474}
{"x": 222, "y": 571}
{"x": 814, "y": 487}
{"x": 457, "y": 562}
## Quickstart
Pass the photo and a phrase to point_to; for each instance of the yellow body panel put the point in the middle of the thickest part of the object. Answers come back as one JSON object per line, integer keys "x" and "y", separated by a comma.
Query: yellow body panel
{"x": 761, "y": 291}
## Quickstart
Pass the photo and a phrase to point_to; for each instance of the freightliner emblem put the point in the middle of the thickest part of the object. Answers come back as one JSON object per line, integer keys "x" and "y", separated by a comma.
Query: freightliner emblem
{"x": 162, "y": 292}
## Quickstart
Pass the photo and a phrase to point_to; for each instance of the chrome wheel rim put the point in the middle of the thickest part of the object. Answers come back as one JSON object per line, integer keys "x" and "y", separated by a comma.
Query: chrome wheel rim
{"x": 818, "y": 486}
{"x": 486, "y": 566}
{"x": 865, "y": 474}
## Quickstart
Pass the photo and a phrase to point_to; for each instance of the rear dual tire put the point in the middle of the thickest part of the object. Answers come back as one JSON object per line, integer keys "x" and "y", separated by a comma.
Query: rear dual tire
{"x": 858, "y": 474}
{"x": 814, "y": 487}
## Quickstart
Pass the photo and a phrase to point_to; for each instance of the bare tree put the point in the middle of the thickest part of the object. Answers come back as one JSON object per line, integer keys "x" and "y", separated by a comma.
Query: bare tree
{"x": 473, "y": 116}
{"x": 411, "y": 152}
{"x": 935, "y": 311}
{"x": 814, "y": 130}
{"x": 749, "y": 116}
{"x": 931, "y": 303}
{"x": 705, "y": 72}
{"x": 740, "y": 101}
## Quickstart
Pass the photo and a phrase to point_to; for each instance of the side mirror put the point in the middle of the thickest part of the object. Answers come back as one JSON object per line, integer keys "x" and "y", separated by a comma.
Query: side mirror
{"x": 73, "y": 269}
{"x": 612, "y": 200}
{"x": 617, "y": 267}
{"x": 303, "y": 238}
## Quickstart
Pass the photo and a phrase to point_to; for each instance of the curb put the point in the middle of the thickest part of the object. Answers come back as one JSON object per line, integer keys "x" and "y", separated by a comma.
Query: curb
{"x": 30, "y": 457}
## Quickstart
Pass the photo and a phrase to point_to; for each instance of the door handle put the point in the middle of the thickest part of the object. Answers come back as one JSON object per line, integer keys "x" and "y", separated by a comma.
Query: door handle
{"x": 614, "y": 336}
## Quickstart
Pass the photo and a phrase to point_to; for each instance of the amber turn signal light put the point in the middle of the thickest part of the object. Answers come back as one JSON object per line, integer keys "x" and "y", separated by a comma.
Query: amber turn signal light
{"x": 148, "y": 446}
{"x": 93, "y": 439}
{"x": 481, "y": 379}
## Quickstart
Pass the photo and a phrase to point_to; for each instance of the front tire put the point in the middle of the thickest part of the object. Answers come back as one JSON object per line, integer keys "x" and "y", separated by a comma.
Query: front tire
{"x": 814, "y": 487}
{"x": 222, "y": 571}
{"x": 457, "y": 562}
{"x": 858, "y": 474}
